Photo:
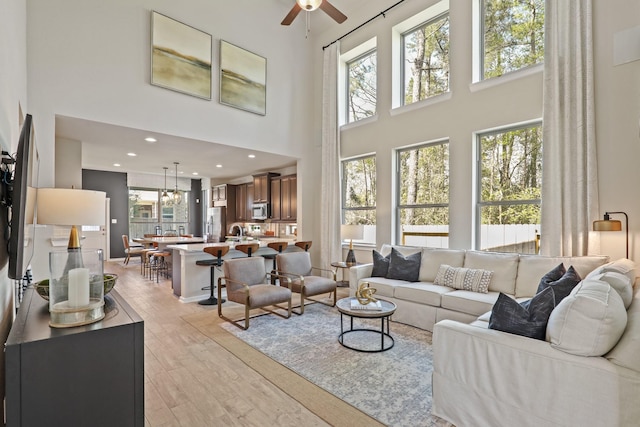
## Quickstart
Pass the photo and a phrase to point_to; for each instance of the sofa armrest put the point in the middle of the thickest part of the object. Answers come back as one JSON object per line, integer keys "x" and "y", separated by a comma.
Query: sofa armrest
{"x": 511, "y": 377}
{"x": 356, "y": 273}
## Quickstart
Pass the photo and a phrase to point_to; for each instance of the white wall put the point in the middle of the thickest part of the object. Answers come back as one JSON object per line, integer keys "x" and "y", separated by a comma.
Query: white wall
{"x": 474, "y": 108}
{"x": 13, "y": 96}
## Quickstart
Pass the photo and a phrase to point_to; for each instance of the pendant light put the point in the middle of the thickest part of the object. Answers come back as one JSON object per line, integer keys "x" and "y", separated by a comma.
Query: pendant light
{"x": 165, "y": 195}
{"x": 177, "y": 196}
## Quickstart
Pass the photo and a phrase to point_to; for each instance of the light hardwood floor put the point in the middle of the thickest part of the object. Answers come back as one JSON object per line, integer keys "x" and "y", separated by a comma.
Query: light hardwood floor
{"x": 191, "y": 380}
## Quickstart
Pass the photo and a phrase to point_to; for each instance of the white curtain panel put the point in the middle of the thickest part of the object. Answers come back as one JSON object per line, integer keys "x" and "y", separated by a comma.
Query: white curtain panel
{"x": 569, "y": 178}
{"x": 330, "y": 194}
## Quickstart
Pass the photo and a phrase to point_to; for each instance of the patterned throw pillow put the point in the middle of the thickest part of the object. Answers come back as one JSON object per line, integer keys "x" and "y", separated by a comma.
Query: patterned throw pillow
{"x": 528, "y": 319}
{"x": 380, "y": 264}
{"x": 467, "y": 279}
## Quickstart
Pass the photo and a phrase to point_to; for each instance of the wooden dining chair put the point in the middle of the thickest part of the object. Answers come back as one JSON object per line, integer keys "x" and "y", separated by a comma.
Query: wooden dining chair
{"x": 131, "y": 251}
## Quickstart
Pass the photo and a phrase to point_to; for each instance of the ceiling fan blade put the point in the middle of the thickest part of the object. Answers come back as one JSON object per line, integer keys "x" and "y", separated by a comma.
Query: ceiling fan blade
{"x": 291, "y": 15}
{"x": 330, "y": 10}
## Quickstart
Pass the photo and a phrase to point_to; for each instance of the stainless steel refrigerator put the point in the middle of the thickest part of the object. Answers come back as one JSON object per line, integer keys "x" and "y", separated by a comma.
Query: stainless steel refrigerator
{"x": 216, "y": 227}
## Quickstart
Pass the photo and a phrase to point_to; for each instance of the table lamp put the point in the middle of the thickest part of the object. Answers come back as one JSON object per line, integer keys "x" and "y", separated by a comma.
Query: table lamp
{"x": 608, "y": 224}
{"x": 76, "y": 285}
{"x": 351, "y": 231}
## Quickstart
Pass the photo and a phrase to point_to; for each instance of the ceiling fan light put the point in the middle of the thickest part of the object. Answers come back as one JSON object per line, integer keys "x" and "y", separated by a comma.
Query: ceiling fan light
{"x": 309, "y": 4}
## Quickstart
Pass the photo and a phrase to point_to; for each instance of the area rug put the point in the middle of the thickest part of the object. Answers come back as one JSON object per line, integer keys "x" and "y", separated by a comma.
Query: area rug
{"x": 393, "y": 386}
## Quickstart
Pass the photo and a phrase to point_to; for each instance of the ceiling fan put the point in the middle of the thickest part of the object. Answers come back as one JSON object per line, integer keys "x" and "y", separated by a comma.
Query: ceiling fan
{"x": 310, "y": 5}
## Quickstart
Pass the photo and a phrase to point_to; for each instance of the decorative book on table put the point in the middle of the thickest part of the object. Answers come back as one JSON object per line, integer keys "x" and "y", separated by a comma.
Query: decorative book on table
{"x": 355, "y": 305}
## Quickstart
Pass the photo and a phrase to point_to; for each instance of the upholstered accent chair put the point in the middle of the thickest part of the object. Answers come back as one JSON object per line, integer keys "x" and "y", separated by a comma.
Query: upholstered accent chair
{"x": 306, "y": 280}
{"x": 247, "y": 283}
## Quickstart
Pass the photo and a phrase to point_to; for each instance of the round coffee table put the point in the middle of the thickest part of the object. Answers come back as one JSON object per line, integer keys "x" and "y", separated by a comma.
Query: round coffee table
{"x": 388, "y": 308}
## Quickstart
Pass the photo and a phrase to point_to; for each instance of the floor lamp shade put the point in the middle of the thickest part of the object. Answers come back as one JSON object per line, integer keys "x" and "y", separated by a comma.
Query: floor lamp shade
{"x": 608, "y": 224}
{"x": 76, "y": 285}
{"x": 350, "y": 231}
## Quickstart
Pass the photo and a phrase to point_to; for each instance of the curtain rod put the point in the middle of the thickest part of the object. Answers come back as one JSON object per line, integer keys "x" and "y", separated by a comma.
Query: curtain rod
{"x": 363, "y": 24}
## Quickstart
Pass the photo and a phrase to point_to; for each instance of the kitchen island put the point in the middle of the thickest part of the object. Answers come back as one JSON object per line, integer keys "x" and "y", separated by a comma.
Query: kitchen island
{"x": 189, "y": 278}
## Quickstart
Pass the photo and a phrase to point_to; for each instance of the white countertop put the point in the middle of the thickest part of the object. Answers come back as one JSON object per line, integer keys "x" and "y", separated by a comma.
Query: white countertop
{"x": 199, "y": 247}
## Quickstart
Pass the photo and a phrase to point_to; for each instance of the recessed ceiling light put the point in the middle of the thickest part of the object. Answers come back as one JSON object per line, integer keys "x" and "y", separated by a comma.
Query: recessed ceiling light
{"x": 150, "y": 139}
{"x": 218, "y": 166}
{"x": 116, "y": 164}
{"x": 131, "y": 154}
{"x": 252, "y": 156}
{"x": 194, "y": 173}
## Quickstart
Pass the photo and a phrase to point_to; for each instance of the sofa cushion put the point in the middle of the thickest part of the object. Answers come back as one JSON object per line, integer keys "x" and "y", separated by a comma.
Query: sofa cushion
{"x": 421, "y": 293}
{"x": 528, "y": 319}
{"x": 627, "y": 350}
{"x": 403, "y": 267}
{"x": 622, "y": 266}
{"x": 620, "y": 283}
{"x": 468, "y": 279}
{"x": 562, "y": 286}
{"x": 433, "y": 258}
{"x": 380, "y": 264}
{"x": 472, "y": 303}
{"x": 589, "y": 322}
{"x": 532, "y": 267}
{"x": 504, "y": 267}
{"x": 384, "y": 287}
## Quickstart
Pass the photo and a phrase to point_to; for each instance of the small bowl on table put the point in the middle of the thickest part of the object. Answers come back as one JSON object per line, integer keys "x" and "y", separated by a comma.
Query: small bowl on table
{"x": 42, "y": 287}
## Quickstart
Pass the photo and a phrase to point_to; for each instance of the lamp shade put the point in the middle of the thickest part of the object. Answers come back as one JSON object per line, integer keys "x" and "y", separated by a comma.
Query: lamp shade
{"x": 309, "y": 4}
{"x": 350, "y": 231}
{"x": 607, "y": 225}
{"x": 65, "y": 206}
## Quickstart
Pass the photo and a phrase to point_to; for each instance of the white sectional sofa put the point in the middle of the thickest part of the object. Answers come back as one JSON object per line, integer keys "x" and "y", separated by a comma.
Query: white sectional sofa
{"x": 422, "y": 303}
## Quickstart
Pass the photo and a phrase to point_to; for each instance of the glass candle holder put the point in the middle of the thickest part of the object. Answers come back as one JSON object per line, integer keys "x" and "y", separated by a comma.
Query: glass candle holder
{"x": 76, "y": 287}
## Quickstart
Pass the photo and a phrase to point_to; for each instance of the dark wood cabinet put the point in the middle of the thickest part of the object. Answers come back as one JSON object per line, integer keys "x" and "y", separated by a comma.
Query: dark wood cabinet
{"x": 262, "y": 187}
{"x": 220, "y": 193}
{"x": 284, "y": 198}
{"x": 249, "y": 201}
{"x": 89, "y": 375}
{"x": 275, "y": 213}
{"x": 241, "y": 203}
{"x": 289, "y": 198}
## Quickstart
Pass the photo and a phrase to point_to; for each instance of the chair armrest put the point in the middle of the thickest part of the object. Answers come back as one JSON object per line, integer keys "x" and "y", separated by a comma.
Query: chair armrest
{"x": 222, "y": 281}
{"x": 283, "y": 278}
{"x": 356, "y": 273}
{"x": 326, "y": 270}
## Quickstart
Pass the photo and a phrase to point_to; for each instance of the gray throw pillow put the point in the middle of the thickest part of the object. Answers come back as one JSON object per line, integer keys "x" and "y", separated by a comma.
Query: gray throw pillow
{"x": 404, "y": 267}
{"x": 528, "y": 319}
{"x": 380, "y": 264}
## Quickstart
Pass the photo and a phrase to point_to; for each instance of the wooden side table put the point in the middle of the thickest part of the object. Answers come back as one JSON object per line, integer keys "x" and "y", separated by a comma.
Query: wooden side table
{"x": 341, "y": 265}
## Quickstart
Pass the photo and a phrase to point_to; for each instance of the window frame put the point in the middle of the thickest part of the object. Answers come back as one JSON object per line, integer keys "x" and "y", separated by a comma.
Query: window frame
{"x": 479, "y": 203}
{"x": 347, "y": 86}
{"x": 399, "y": 206}
{"x": 403, "y": 60}
{"x": 343, "y": 193}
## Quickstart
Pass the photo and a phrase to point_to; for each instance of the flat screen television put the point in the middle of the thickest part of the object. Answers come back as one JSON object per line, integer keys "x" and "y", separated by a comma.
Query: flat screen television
{"x": 22, "y": 193}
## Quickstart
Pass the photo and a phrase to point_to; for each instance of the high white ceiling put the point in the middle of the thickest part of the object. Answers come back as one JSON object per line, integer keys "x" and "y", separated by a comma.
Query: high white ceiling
{"x": 104, "y": 145}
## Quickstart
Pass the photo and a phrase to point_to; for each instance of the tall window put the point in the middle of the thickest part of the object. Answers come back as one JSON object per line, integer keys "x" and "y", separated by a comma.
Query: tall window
{"x": 513, "y": 35}
{"x": 510, "y": 177}
{"x": 423, "y": 195}
{"x": 426, "y": 60}
{"x": 361, "y": 87}
{"x": 359, "y": 194}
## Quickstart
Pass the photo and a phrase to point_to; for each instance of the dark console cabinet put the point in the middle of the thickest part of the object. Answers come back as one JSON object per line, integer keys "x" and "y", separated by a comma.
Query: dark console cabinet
{"x": 86, "y": 375}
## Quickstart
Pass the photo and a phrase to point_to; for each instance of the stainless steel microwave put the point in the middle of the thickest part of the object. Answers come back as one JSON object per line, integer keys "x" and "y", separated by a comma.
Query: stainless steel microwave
{"x": 260, "y": 211}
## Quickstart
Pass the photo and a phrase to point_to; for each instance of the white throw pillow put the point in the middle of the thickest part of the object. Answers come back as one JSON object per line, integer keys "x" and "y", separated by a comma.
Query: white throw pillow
{"x": 623, "y": 266}
{"x": 620, "y": 283}
{"x": 589, "y": 322}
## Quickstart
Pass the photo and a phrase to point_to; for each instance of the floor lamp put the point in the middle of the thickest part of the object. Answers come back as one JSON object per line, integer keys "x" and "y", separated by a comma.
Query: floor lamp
{"x": 608, "y": 224}
{"x": 76, "y": 287}
{"x": 351, "y": 232}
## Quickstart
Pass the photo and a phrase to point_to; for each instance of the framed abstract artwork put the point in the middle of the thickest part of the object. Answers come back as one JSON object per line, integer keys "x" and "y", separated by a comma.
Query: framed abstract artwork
{"x": 243, "y": 79}
{"x": 180, "y": 57}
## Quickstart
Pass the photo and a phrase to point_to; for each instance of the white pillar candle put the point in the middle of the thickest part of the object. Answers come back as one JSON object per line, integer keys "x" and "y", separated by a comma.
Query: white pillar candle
{"x": 78, "y": 287}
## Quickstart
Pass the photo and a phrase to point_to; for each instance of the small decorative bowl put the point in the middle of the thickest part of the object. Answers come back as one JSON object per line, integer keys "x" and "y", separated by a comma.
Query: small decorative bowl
{"x": 42, "y": 287}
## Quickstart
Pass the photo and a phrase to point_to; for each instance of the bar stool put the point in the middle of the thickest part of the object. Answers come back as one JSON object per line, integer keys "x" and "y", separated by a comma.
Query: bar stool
{"x": 160, "y": 265}
{"x": 304, "y": 245}
{"x": 248, "y": 248}
{"x": 219, "y": 252}
{"x": 277, "y": 246}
